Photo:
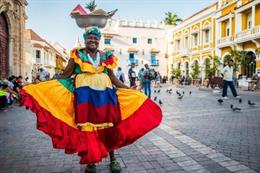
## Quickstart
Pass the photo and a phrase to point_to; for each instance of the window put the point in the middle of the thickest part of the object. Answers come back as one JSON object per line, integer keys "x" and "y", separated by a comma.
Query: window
{"x": 132, "y": 58}
{"x": 154, "y": 60}
{"x": 206, "y": 36}
{"x": 178, "y": 44}
{"x": 195, "y": 39}
{"x": 249, "y": 20}
{"x": 186, "y": 42}
{"x": 38, "y": 56}
{"x": 149, "y": 41}
{"x": 107, "y": 41}
{"x": 227, "y": 31}
{"x": 134, "y": 40}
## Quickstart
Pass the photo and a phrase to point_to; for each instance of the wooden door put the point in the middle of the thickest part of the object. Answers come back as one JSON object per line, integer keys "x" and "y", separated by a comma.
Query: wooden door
{"x": 3, "y": 47}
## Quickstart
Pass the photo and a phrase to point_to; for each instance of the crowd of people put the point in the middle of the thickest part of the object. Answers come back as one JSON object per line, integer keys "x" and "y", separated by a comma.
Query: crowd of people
{"x": 9, "y": 90}
{"x": 143, "y": 79}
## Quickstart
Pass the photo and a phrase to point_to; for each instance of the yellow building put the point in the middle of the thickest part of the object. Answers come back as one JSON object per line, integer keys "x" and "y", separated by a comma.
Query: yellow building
{"x": 238, "y": 28}
{"x": 193, "y": 41}
{"x": 223, "y": 26}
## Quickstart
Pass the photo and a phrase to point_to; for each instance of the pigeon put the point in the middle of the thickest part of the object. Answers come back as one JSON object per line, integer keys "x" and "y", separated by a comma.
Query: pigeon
{"x": 220, "y": 101}
{"x": 240, "y": 101}
{"x": 170, "y": 90}
{"x": 160, "y": 102}
{"x": 190, "y": 92}
{"x": 183, "y": 92}
{"x": 167, "y": 91}
{"x": 235, "y": 108}
{"x": 154, "y": 91}
{"x": 158, "y": 91}
{"x": 177, "y": 92}
{"x": 155, "y": 98}
{"x": 251, "y": 103}
{"x": 180, "y": 97}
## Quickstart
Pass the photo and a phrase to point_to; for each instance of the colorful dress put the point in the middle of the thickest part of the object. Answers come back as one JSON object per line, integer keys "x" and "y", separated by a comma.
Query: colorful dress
{"x": 87, "y": 114}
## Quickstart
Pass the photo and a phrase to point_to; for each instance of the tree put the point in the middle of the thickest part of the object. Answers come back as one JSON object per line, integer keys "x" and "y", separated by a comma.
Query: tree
{"x": 215, "y": 65}
{"x": 176, "y": 72}
{"x": 91, "y": 6}
{"x": 172, "y": 19}
{"x": 239, "y": 58}
{"x": 195, "y": 70}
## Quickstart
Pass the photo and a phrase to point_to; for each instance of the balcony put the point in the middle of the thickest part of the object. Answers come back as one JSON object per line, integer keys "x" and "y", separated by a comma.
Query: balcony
{"x": 249, "y": 34}
{"x": 185, "y": 52}
{"x": 225, "y": 41}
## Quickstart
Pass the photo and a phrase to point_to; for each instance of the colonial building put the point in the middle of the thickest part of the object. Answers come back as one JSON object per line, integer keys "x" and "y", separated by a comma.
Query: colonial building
{"x": 216, "y": 30}
{"x": 12, "y": 25}
{"x": 137, "y": 42}
{"x": 40, "y": 53}
{"x": 238, "y": 27}
{"x": 62, "y": 57}
{"x": 193, "y": 41}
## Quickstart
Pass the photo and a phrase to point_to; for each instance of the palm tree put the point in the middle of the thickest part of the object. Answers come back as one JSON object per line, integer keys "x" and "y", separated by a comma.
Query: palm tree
{"x": 172, "y": 19}
{"x": 91, "y": 6}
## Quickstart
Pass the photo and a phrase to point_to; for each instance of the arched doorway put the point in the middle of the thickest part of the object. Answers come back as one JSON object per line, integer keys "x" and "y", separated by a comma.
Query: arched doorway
{"x": 249, "y": 64}
{"x": 4, "y": 67}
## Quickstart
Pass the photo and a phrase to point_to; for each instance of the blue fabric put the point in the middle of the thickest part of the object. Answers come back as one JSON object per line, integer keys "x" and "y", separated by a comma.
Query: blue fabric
{"x": 147, "y": 87}
{"x": 231, "y": 85}
{"x": 98, "y": 98}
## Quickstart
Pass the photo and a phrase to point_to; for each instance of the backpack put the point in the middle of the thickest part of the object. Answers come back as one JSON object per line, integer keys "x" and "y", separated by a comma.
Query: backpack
{"x": 150, "y": 74}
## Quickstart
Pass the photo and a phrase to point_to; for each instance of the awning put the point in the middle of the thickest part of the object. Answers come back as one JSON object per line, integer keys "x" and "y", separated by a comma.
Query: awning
{"x": 154, "y": 50}
{"x": 131, "y": 49}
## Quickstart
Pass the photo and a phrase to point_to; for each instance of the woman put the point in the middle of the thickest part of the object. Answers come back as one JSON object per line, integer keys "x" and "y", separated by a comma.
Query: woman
{"x": 86, "y": 114}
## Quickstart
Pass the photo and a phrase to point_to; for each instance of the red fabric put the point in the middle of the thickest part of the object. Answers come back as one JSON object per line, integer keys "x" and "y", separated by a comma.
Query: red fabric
{"x": 87, "y": 112}
{"x": 109, "y": 61}
{"x": 93, "y": 146}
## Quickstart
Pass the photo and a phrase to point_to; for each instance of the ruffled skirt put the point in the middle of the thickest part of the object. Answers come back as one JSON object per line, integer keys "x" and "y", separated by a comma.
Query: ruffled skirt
{"x": 53, "y": 102}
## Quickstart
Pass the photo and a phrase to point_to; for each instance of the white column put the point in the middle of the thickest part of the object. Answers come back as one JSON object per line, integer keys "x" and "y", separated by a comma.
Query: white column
{"x": 253, "y": 16}
{"x": 230, "y": 26}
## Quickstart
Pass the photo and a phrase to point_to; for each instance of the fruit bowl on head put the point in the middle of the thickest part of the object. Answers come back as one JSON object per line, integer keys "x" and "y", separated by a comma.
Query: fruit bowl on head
{"x": 95, "y": 19}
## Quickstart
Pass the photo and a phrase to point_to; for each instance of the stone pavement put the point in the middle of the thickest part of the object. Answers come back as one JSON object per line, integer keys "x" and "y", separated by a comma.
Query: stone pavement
{"x": 196, "y": 135}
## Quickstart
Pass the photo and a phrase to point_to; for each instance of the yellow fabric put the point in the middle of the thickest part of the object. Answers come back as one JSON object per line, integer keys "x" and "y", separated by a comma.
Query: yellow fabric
{"x": 99, "y": 81}
{"x": 90, "y": 126}
{"x": 87, "y": 67}
{"x": 55, "y": 98}
{"x": 129, "y": 100}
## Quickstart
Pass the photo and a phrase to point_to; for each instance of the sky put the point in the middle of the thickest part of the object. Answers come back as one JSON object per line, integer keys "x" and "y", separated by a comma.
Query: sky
{"x": 51, "y": 19}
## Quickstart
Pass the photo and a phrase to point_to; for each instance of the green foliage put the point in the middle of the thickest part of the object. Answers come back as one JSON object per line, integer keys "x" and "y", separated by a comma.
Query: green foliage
{"x": 91, "y": 6}
{"x": 195, "y": 70}
{"x": 176, "y": 72}
{"x": 215, "y": 65}
{"x": 207, "y": 66}
{"x": 239, "y": 58}
{"x": 172, "y": 19}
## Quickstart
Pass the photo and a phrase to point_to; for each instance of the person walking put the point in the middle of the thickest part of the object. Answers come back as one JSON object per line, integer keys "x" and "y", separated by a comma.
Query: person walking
{"x": 120, "y": 75}
{"x": 132, "y": 76}
{"x": 147, "y": 76}
{"x": 227, "y": 74}
{"x": 88, "y": 110}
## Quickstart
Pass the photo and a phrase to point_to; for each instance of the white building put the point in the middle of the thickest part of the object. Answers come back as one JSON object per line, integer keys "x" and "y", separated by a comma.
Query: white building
{"x": 38, "y": 53}
{"x": 137, "y": 42}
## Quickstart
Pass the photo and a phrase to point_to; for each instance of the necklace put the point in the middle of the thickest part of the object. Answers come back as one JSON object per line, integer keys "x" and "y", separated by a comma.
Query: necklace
{"x": 95, "y": 61}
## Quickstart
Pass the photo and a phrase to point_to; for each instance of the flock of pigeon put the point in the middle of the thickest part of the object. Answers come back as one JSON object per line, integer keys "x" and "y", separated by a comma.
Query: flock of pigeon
{"x": 249, "y": 102}
{"x": 180, "y": 95}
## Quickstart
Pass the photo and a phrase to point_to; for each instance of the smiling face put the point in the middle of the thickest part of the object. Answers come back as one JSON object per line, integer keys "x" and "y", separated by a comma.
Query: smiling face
{"x": 92, "y": 42}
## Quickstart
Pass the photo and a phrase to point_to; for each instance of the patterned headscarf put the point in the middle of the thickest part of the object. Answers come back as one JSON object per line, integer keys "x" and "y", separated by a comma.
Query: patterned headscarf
{"x": 92, "y": 30}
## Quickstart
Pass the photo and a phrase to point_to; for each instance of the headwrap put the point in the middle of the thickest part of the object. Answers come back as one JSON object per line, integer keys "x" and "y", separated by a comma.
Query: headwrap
{"x": 92, "y": 30}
